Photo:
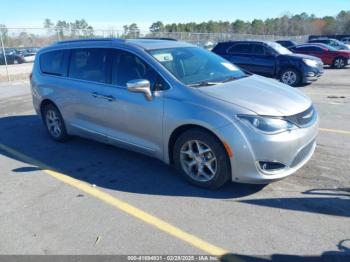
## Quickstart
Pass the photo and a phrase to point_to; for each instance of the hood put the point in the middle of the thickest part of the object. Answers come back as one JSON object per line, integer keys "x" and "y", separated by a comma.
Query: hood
{"x": 261, "y": 95}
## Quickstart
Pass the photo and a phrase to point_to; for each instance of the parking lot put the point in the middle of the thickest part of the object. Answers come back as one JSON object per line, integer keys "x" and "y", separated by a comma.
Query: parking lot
{"x": 16, "y": 72}
{"x": 83, "y": 197}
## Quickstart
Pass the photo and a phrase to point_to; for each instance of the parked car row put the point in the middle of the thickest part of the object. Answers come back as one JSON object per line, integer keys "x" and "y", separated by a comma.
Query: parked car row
{"x": 18, "y": 55}
{"x": 272, "y": 60}
{"x": 11, "y": 58}
{"x": 340, "y": 45}
{"x": 285, "y": 60}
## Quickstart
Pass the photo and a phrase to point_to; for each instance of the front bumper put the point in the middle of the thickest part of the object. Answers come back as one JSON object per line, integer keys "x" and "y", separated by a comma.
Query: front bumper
{"x": 292, "y": 148}
{"x": 311, "y": 74}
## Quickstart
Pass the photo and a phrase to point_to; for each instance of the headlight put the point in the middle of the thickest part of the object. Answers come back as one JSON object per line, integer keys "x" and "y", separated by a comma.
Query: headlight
{"x": 310, "y": 62}
{"x": 268, "y": 125}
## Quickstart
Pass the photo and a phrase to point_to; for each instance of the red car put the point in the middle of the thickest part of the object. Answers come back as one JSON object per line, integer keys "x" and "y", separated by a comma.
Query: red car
{"x": 328, "y": 54}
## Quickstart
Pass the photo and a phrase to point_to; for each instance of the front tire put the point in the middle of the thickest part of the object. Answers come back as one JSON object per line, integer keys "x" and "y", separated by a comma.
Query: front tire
{"x": 54, "y": 123}
{"x": 290, "y": 77}
{"x": 202, "y": 159}
{"x": 339, "y": 63}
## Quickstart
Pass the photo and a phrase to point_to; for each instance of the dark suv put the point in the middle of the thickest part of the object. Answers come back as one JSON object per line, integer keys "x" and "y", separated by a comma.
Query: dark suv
{"x": 272, "y": 60}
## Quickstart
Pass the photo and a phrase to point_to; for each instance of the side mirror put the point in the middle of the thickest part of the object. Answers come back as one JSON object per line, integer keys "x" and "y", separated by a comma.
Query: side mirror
{"x": 140, "y": 86}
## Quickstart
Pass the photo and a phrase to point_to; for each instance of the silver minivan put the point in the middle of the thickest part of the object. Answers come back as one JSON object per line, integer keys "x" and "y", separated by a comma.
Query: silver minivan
{"x": 176, "y": 102}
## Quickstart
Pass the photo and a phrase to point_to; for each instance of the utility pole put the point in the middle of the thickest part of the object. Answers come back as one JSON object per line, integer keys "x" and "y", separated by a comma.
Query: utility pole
{"x": 3, "y": 51}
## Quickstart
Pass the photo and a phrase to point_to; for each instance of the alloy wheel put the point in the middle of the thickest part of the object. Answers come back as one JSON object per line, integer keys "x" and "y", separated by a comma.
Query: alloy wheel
{"x": 289, "y": 77}
{"x": 198, "y": 160}
{"x": 53, "y": 123}
{"x": 339, "y": 63}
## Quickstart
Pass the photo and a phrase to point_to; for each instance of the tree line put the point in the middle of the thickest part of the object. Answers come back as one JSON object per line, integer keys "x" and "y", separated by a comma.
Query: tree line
{"x": 286, "y": 25}
{"x": 300, "y": 24}
{"x": 71, "y": 29}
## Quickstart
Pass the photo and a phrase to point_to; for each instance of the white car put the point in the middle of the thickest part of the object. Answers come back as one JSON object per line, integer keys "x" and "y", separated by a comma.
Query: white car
{"x": 29, "y": 57}
{"x": 346, "y": 40}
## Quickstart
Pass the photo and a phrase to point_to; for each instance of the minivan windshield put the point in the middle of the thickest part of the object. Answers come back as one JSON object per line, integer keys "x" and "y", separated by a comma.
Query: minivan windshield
{"x": 279, "y": 49}
{"x": 195, "y": 66}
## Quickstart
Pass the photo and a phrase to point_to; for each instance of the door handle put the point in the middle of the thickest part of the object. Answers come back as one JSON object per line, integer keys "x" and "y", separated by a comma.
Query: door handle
{"x": 109, "y": 98}
{"x": 96, "y": 95}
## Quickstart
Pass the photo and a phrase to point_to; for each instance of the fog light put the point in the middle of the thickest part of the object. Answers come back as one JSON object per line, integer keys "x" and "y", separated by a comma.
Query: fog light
{"x": 311, "y": 74}
{"x": 271, "y": 166}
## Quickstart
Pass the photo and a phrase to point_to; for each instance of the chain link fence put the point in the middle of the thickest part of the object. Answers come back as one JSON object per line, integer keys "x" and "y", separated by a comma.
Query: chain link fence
{"x": 19, "y": 45}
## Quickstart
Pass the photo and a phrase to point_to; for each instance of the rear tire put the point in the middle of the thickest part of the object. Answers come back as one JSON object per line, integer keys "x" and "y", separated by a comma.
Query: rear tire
{"x": 202, "y": 159}
{"x": 54, "y": 123}
{"x": 339, "y": 63}
{"x": 290, "y": 77}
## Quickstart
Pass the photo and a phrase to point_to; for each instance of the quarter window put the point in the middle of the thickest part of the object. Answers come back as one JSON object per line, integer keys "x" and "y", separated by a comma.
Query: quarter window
{"x": 258, "y": 49}
{"x": 54, "y": 63}
{"x": 89, "y": 64}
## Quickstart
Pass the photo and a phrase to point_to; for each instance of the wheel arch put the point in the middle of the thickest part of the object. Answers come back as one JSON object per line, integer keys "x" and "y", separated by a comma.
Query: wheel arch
{"x": 341, "y": 57}
{"x": 44, "y": 103}
{"x": 180, "y": 130}
{"x": 286, "y": 67}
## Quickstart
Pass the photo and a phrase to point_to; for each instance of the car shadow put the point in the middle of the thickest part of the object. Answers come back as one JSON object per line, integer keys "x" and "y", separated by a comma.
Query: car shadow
{"x": 335, "y": 202}
{"x": 340, "y": 255}
{"x": 100, "y": 164}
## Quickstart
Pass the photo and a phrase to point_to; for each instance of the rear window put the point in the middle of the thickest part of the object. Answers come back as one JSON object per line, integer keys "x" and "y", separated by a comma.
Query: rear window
{"x": 54, "y": 63}
{"x": 89, "y": 64}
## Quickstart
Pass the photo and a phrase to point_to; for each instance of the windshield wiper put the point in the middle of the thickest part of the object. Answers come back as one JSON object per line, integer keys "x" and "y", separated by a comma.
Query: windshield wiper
{"x": 232, "y": 78}
{"x": 211, "y": 83}
{"x": 229, "y": 79}
{"x": 204, "y": 83}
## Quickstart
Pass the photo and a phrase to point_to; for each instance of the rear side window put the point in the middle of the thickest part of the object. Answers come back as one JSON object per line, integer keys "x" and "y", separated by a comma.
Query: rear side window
{"x": 54, "y": 63}
{"x": 304, "y": 48}
{"x": 89, "y": 64}
{"x": 316, "y": 49}
{"x": 240, "y": 49}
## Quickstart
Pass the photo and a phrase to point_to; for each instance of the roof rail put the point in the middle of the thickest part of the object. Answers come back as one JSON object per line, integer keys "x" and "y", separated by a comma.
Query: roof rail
{"x": 91, "y": 40}
{"x": 157, "y": 38}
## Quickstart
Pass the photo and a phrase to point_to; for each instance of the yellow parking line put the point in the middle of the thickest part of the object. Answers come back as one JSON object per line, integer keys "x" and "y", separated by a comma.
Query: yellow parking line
{"x": 335, "y": 131}
{"x": 123, "y": 206}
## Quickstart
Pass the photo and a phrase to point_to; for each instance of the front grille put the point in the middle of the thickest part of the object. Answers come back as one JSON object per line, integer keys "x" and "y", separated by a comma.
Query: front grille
{"x": 303, "y": 153}
{"x": 304, "y": 118}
